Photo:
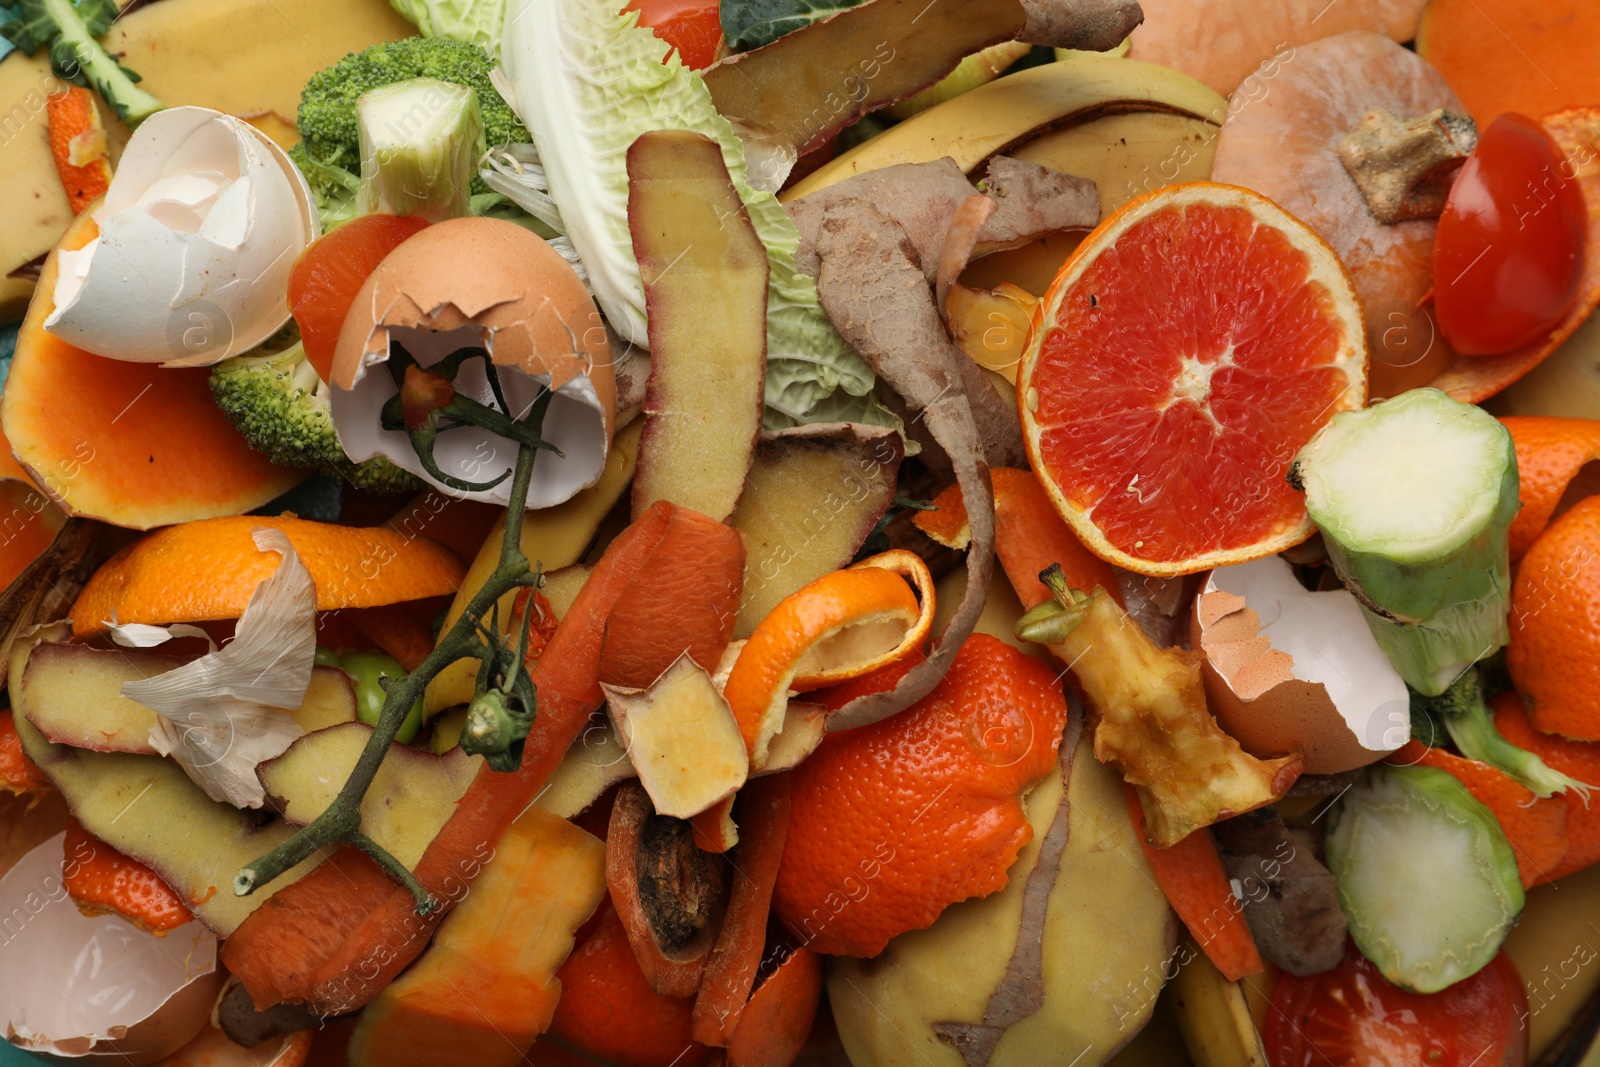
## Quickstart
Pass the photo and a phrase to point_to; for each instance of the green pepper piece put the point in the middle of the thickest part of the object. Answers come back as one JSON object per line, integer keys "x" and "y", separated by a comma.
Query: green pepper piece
{"x": 366, "y": 669}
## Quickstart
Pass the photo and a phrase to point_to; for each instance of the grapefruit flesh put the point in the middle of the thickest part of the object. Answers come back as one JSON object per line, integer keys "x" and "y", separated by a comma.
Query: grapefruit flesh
{"x": 1187, "y": 351}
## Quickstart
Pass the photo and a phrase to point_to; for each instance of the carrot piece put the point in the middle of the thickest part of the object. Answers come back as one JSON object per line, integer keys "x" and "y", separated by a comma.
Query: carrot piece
{"x": 714, "y": 829}
{"x": 1536, "y": 828}
{"x": 1029, "y": 536}
{"x": 1581, "y": 759}
{"x": 334, "y": 938}
{"x": 731, "y": 970}
{"x": 78, "y": 146}
{"x": 777, "y": 1021}
{"x": 102, "y": 881}
{"x": 487, "y": 988}
{"x": 18, "y": 773}
{"x": 1196, "y": 884}
{"x": 397, "y": 631}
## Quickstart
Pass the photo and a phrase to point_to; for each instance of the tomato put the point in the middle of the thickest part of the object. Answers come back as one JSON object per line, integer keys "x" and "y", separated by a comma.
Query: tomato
{"x": 1509, "y": 253}
{"x": 330, "y": 272}
{"x": 1352, "y": 1017}
{"x": 693, "y": 27}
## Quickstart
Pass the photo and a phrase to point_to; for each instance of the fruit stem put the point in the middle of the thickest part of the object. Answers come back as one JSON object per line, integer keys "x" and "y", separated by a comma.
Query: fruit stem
{"x": 1404, "y": 167}
{"x": 341, "y": 821}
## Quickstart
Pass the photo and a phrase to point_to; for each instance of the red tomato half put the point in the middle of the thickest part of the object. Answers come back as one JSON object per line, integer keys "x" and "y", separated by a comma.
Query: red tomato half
{"x": 1351, "y": 1017}
{"x": 693, "y": 27}
{"x": 1510, "y": 248}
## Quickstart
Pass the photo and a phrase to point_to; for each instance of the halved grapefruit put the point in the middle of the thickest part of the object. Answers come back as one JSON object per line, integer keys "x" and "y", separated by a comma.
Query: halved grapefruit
{"x": 1188, "y": 349}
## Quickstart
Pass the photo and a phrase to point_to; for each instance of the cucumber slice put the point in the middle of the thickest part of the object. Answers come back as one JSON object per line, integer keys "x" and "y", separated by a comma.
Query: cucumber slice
{"x": 1426, "y": 877}
{"x": 1414, "y": 497}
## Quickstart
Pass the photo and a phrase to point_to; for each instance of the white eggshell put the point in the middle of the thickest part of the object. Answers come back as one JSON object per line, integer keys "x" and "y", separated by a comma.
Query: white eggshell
{"x": 1290, "y": 670}
{"x": 95, "y": 990}
{"x": 198, "y": 232}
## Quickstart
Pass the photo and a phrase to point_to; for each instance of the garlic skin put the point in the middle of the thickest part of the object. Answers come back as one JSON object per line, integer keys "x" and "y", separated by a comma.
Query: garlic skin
{"x": 221, "y": 715}
{"x": 202, "y": 223}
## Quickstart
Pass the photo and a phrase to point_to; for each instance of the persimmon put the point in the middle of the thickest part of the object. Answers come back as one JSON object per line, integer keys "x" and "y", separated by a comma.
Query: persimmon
{"x": 1285, "y": 142}
{"x": 1221, "y": 42}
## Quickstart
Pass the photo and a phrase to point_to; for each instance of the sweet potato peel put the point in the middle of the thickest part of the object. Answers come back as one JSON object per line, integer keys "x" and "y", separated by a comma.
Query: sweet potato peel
{"x": 875, "y": 290}
{"x": 1020, "y": 993}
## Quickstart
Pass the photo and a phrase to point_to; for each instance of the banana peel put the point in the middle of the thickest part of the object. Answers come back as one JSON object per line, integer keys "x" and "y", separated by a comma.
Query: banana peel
{"x": 1213, "y": 1013}
{"x": 1010, "y": 112}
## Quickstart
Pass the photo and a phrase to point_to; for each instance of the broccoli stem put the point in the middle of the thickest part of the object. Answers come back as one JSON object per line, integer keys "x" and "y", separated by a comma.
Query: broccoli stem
{"x": 77, "y": 54}
{"x": 1470, "y": 724}
{"x": 1414, "y": 497}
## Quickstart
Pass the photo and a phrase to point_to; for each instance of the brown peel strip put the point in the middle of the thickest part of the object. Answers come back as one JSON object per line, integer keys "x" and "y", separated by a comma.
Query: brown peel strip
{"x": 1033, "y": 201}
{"x": 960, "y": 238}
{"x": 873, "y": 288}
{"x": 1087, "y": 25}
{"x": 922, "y": 199}
{"x": 1020, "y": 992}
{"x": 809, "y": 84}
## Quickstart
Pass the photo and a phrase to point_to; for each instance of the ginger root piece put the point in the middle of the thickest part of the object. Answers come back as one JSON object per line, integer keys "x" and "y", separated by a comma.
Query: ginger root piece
{"x": 1151, "y": 719}
{"x": 1404, "y": 167}
{"x": 923, "y": 198}
{"x": 1087, "y": 25}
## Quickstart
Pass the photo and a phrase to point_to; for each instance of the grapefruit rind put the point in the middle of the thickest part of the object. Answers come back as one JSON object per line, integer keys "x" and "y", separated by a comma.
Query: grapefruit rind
{"x": 1324, "y": 267}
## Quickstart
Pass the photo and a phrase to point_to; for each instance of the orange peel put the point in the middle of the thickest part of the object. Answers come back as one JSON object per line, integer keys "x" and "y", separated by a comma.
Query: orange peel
{"x": 845, "y": 624}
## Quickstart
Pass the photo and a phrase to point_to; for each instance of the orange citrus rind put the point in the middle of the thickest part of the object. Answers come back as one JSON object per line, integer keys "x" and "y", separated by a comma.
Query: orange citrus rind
{"x": 946, "y": 523}
{"x": 207, "y": 569}
{"x": 845, "y": 624}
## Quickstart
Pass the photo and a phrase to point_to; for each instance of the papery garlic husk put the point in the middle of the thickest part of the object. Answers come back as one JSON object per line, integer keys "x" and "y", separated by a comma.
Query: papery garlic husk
{"x": 197, "y": 234}
{"x": 95, "y": 990}
{"x": 488, "y": 283}
{"x": 224, "y": 713}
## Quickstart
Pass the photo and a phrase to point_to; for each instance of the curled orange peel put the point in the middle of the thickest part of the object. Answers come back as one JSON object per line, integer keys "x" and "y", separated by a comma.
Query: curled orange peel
{"x": 845, "y": 624}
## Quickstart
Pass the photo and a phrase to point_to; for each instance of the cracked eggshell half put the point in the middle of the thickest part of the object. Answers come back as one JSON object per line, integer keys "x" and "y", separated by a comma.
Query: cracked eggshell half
{"x": 1290, "y": 670}
{"x": 204, "y": 218}
{"x": 96, "y": 990}
{"x": 490, "y": 283}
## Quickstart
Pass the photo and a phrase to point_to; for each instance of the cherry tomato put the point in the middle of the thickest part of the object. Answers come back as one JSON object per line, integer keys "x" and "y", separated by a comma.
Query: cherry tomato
{"x": 330, "y": 272}
{"x": 1510, "y": 248}
{"x": 693, "y": 27}
{"x": 1351, "y": 1017}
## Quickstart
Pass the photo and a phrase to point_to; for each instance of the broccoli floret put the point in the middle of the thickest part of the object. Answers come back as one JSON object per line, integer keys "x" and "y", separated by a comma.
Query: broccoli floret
{"x": 275, "y": 399}
{"x": 327, "y": 116}
{"x": 334, "y": 188}
{"x": 70, "y": 33}
{"x": 1470, "y": 724}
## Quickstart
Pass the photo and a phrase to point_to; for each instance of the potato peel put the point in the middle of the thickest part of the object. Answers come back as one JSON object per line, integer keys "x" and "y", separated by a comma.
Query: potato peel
{"x": 1020, "y": 993}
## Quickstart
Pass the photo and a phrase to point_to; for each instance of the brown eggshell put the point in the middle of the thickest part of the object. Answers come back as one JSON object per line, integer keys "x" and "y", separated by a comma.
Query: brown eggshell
{"x": 487, "y": 273}
{"x": 496, "y": 284}
{"x": 40, "y": 984}
{"x": 1252, "y": 688}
